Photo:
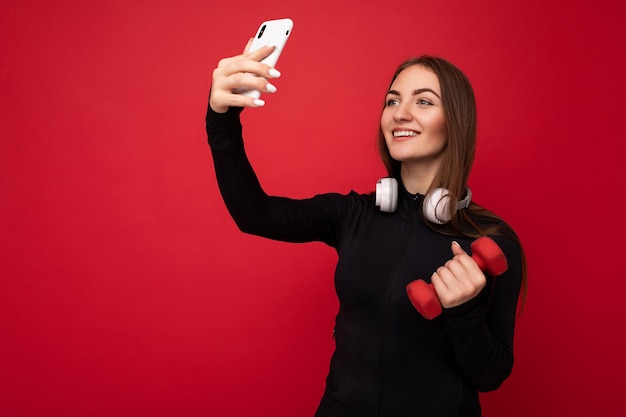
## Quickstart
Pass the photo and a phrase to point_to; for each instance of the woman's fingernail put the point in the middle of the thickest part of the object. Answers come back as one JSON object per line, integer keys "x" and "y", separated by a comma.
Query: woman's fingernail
{"x": 270, "y": 88}
{"x": 274, "y": 73}
{"x": 259, "y": 102}
{"x": 454, "y": 242}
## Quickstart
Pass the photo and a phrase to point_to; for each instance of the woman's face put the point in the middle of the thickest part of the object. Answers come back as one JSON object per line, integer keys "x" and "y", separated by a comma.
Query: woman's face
{"x": 413, "y": 121}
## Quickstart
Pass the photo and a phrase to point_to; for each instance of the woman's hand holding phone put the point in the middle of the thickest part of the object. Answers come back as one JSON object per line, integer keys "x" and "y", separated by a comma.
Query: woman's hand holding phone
{"x": 239, "y": 81}
{"x": 243, "y": 71}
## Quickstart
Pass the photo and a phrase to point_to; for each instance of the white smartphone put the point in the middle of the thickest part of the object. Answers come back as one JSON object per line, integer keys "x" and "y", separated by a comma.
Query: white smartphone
{"x": 270, "y": 33}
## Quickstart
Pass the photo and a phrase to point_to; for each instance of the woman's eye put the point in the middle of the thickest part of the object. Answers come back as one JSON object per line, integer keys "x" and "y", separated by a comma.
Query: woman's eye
{"x": 424, "y": 102}
{"x": 392, "y": 102}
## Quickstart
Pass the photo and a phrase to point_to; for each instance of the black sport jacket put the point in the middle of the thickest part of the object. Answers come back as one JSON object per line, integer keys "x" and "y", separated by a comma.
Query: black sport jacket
{"x": 388, "y": 361}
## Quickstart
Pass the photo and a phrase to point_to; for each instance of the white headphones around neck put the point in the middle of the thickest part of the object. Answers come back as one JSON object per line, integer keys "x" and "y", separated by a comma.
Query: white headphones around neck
{"x": 435, "y": 206}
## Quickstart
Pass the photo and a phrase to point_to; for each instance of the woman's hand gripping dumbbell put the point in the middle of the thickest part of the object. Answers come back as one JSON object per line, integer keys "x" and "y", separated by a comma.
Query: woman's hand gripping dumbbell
{"x": 487, "y": 255}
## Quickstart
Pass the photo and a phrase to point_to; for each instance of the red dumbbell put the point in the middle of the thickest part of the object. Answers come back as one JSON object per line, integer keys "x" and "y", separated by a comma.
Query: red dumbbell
{"x": 485, "y": 252}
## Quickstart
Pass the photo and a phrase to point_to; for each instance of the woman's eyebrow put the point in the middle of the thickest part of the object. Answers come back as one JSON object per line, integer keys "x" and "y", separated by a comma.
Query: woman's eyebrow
{"x": 424, "y": 90}
{"x": 416, "y": 92}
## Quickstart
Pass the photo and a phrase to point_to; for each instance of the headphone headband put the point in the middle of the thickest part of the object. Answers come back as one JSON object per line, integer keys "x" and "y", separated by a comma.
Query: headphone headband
{"x": 463, "y": 204}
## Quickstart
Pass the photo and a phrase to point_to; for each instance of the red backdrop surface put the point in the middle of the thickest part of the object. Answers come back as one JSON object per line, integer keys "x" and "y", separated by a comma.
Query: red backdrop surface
{"x": 126, "y": 289}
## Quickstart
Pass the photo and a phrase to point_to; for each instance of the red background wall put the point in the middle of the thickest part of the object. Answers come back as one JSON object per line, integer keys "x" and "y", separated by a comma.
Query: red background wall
{"x": 126, "y": 289}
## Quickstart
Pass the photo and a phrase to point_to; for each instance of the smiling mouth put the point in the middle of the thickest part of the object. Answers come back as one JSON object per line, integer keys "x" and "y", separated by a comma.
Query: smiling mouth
{"x": 404, "y": 134}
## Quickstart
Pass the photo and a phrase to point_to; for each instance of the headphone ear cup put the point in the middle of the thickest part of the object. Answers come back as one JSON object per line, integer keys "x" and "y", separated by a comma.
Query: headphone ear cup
{"x": 387, "y": 194}
{"x": 435, "y": 206}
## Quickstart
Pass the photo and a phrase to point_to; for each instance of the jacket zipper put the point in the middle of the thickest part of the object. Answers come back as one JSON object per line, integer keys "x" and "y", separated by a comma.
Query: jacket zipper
{"x": 387, "y": 305}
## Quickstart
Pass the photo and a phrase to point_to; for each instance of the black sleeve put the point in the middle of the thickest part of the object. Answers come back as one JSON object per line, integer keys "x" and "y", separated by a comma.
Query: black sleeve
{"x": 481, "y": 330}
{"x": 255, "y": 212}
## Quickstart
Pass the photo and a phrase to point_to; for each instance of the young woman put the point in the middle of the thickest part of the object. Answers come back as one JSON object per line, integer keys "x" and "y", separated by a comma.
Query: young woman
{"x": 389, "y": 360}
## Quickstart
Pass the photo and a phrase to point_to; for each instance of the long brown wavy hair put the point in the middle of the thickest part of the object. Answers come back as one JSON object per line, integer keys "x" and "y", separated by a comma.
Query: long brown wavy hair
{"x": 459, "y": 105}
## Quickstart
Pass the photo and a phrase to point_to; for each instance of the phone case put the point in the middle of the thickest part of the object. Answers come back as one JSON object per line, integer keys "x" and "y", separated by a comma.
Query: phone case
{"x": 270, "y": 33}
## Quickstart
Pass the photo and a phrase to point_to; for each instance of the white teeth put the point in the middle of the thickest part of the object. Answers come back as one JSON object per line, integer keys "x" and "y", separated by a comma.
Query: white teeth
{"x": 404, "y": 133}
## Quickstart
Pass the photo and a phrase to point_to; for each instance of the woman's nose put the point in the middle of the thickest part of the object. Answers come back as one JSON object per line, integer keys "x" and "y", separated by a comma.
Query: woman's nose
{"x": 402, "y": 113}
